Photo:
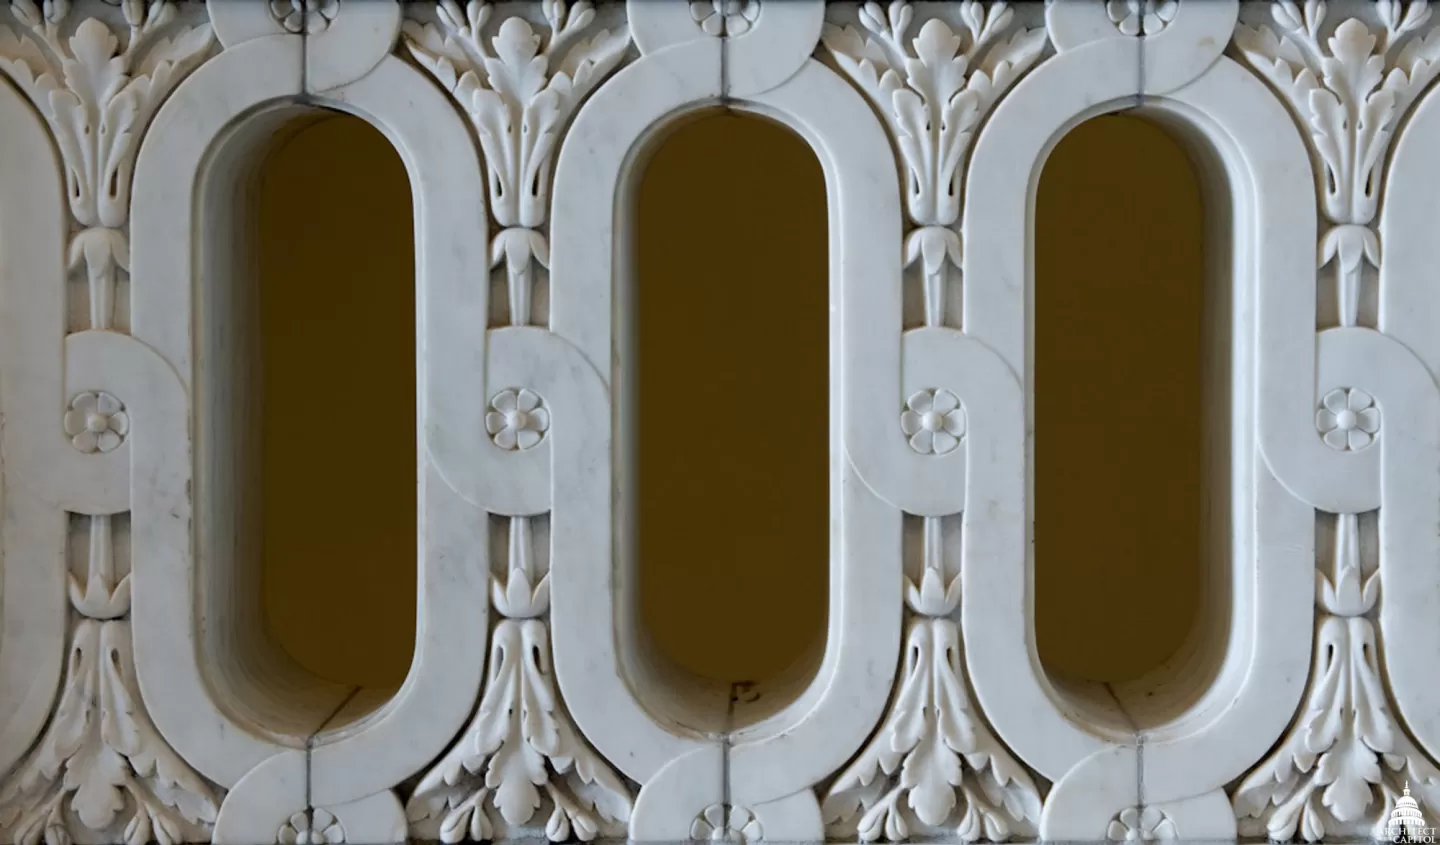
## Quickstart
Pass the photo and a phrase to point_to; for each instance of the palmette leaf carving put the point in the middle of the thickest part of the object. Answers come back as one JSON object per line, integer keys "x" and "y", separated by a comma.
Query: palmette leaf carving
{"x": 1349, "y": 91}
{"x": 519, "y": 99}
{"x": 520, "y": 747}
{"x": 934, "y": 90}
{"x": 1345, "y": 761}
{"x": 101, "y": 756}
{"x": 98, "y": 94}
{"x": 520, "y": 96}
{"x": 933, "y": 760}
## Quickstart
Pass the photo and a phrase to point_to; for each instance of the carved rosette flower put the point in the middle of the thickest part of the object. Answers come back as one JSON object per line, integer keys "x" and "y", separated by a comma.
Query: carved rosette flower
{"x": 1348, "y": 419}
{"x": 1141, "y": 17}
{"x": 1137, "y": 825}
{"x": 308, "y": 16}
{"x": 96, "y": 422}
{"x": 518, "y": 419}
{"x": 725, "y": 17}
{"x": 726, "y": 823}
{"x": 934, "y": 421}
{"x": 317, "y": 827}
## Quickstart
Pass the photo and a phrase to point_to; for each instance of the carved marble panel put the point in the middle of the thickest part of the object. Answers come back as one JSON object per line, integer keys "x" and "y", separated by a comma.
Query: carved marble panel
{"x": 140, "y": 702}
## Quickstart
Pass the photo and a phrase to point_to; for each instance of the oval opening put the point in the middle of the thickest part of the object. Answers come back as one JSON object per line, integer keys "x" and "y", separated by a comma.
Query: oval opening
{"x": 725, "y": 421}
{"x": 1131, "y": 400}
{"x": 306, "y": 427}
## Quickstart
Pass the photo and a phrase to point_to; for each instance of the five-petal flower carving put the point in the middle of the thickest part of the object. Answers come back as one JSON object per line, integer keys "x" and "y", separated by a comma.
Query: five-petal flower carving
{"x": 301, "y": 829}
{"x": 518, "y": 419}
{"x": 1141, "y": 17}
{"x": 1348, "y": 419}
{"x": 96, "y": 422}
{"x": 725, "y": 823}
{"x": 309, "y": 16}
{"x": 933, "y": 421}
{"x": 1136, "y": 825}
{"x": 725, "y": 17}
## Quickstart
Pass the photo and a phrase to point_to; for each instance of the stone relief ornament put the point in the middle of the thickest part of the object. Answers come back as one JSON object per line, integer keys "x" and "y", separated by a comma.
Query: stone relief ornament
{"x": 1345, "y": 761}
{"x": 1349, "y": 92}
{"x": 518, "y": 419}
{"x": 519, "y": 98}
{"x": 96, "y": 422}
{"x": 309, "y": 16}
{"x": 934, "y": 762}
{"x": 316, "y": 827}
{"x": 100, "y": 760}
{"x": 933, "y": 91}
{"x": 521, "y": 750}
{"x": 1147, "y": 825}
{"x": 934, "y": 421}
{"x": 1348, "y": 419}
{"x": 724, "y": 823}
{"x": 725, "y": 17}
{"x": 1141, "y": 17}
{"x": 98, "y": 91}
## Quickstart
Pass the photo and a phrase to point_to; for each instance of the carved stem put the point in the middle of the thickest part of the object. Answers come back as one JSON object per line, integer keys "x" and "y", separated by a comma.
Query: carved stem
{"x": 1348, "y": 279}
{"x": 102, "y": 294}
{"x": 518, "y": 276}
{"x": 935, "y": 300}
{"x": 520, "y": 546}
{"x": 932, "y": 545}
{"x": 101, "y": 562}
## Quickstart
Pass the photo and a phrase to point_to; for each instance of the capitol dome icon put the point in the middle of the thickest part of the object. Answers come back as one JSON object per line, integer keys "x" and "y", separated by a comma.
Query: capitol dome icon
{"x": 1406, "y": 822}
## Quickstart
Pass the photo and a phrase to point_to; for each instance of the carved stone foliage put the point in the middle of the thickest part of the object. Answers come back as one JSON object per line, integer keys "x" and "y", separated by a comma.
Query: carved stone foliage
{"x": 521, "y": 751}
{"x": 725, "y": 17}
{"x": 1346, "y": 760}
{"x": 100, "y": 761}
{"x": 520, "y": 89}
{"x": 98, "y": 90}
{"x": 1349, "y": 91}
{"x": 315, "y": 827}
{"x": 726, "y": 823}
{"x": 1141, "y": 17}
{"x": 933, "y": 91}
{"x": 934, "y": 767}
{"x": 1147, "y": 825}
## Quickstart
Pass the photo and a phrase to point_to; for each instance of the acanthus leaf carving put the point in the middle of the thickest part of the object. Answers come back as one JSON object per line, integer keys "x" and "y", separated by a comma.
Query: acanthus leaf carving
{"x": 1346, "y": 750}
{"x": 933, "y": 93}
{"x": 519, "y": 98}
{"x": 933, "y": 755}
{"x": 100, "y": 753}
{"x": 98, "y": 94}
{"x": 521, "y": 747}
{"x": 1349, "y": 92}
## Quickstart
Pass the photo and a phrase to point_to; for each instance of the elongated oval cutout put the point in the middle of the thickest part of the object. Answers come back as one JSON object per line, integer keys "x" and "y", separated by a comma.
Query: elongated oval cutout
{"x": 307, "y": 427}
{"x": 726, "y": 420}
{"x": 1130, "y": 400}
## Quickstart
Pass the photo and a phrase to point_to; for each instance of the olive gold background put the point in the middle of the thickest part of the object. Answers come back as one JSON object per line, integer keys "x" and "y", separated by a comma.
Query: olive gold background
{"x": 732, "y": 399}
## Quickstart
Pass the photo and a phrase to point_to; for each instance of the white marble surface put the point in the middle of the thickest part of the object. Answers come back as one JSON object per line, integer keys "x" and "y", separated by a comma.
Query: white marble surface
{"x": 138, "y": 703}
